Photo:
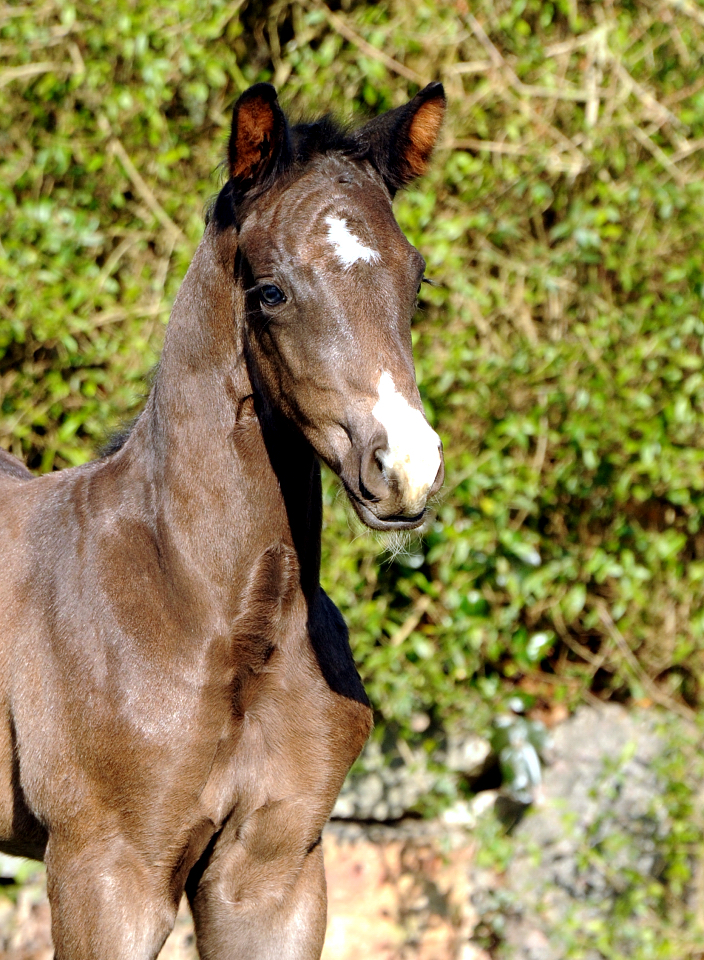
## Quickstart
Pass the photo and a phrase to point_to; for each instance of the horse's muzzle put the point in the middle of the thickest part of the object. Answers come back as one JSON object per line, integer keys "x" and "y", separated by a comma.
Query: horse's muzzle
{"x": 389, "y": 496}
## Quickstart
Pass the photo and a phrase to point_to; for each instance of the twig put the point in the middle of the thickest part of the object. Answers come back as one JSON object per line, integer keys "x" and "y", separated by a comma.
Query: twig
{"x": 650, "y": 102}
{"x": 684, "y": 93}
{"x": 574, "y": 94}
{"x": 562, "y": 47}
{"x": 115, "y": 146}
{"x": 653, "y": 691}
{"x": 594, "y": 74}
{"x": 33, "y": 70}
{"x": 686, "y": 151}
{"x": 494, "y": 55}
{"x": 698, "y": 892}
{"x": 688, "y": 8}
{"x": 161, "y": 275}
{"x": 680, "y": 178}
{"x": 589, "y": 698}
{"x": 596, "y": 660}
{"x": 120, "y": 313}
{"x": 338, "y": 24}
{"x": 420, "y": 608}
{"x": 490, "y": 146}
{"x": 553, "y": 161}
{"x": 406, "y": 752}
{"x": 469, "y": 66}
{"x": 7, "y": 12}
{"x": 536, "y": 466}
{"x": 591, "y": 97}
{"x": 114, "y": 258}
{"x": 78, "y": 62}
{"x": 520, "y": 310}
{"x": 580, "y": 162}
{"x": 483, "y": 327}
{"x": 530, "y": 90}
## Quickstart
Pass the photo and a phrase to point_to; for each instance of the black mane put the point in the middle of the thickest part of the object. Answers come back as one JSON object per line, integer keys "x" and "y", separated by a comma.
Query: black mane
{"x": 117, "y": 440}
{"x": 327, "y": 135}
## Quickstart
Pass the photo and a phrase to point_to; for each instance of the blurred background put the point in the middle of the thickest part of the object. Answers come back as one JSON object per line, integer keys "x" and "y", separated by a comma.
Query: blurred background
{"x": 560, "y": 357}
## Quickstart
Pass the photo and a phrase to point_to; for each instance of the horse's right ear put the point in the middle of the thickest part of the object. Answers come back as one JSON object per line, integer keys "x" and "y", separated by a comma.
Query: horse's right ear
{"x": 399, "y": 142}
{"x": 259, "y": 137}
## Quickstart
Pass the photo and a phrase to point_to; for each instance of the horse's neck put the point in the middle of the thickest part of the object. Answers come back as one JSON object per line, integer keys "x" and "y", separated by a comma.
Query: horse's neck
{"x": 225, "y": 487}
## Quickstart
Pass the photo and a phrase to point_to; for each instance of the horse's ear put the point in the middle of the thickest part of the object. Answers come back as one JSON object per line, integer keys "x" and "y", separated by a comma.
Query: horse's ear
{"x": 259, "y": 136}
{"x": 399, "y": 142}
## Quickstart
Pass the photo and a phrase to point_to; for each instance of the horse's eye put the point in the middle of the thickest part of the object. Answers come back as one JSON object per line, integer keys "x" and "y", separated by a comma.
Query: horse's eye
{"x": 271, "y": 295}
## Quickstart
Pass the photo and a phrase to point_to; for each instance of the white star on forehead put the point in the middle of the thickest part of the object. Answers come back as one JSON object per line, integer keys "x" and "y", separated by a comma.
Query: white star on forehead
{"x": 348, "y": 248}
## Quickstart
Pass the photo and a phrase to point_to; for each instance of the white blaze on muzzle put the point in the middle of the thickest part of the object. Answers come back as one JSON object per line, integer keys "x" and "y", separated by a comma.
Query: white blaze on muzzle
{"x": 412, "y": 456}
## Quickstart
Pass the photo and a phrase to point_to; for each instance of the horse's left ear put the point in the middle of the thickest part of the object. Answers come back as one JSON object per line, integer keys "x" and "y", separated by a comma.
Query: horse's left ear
{"x": 259, "y": 136}
{"x": 399, "y": 142}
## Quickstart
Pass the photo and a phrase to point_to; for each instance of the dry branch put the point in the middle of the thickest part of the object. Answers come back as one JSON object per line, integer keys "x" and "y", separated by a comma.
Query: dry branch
{"x": 665, "y": 162}
{"x": 339, "y": 25}
{"x": 688, "y": 8}
{"x": 33, "y": 70}
{"x": 115, "y": 147}
{"x": 420, "y": 607}
{"x": 641, "y": 676}
{"x": 490, "y": 146}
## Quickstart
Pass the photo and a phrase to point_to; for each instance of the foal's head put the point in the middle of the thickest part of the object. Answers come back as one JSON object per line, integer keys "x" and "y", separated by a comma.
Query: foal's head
{"x": 331, "y": 289}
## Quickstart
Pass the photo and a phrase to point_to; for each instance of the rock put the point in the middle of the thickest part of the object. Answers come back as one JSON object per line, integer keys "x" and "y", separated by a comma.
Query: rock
{"x": 519, "y": 744}
{"x": 599, "y": 823}
{"x": 388, "y": 787}
{"x": 392, "y": 781}
{"x": 467, "y": 754}
{"x": 467, "y": 813}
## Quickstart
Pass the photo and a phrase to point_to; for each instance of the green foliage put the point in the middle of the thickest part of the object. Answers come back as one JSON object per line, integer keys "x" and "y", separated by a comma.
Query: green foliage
{"x": 560, "y": 359}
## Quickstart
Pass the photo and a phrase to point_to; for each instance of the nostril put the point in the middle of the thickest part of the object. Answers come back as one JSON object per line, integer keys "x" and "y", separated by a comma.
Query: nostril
{"x": 367, "y": 494}
{"x": 439, "y": 478}
{"x": 373, "y": 484}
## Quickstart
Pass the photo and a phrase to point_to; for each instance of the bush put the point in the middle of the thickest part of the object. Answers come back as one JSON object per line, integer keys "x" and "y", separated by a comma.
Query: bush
{"x": 560, "y": 359}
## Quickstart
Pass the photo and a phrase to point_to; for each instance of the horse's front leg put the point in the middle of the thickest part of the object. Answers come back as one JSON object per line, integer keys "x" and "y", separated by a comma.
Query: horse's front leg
{"x": 262, "y": 893}
{"x": 105, "y": 903}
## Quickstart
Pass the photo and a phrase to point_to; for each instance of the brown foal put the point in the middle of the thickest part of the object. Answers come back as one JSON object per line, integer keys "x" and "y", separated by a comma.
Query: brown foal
{"x": 180, "y": 705}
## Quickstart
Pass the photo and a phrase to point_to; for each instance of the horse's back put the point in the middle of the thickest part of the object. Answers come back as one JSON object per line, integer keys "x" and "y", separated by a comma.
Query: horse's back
{"x": 34, "y": 537}
{"x": 20, "y": 832}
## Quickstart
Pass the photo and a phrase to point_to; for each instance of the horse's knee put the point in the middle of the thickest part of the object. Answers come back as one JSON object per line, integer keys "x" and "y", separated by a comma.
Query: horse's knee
{"x": 262, "y": 893}
{"x": 262, "y": 856}
{"x": 105, "y": 904}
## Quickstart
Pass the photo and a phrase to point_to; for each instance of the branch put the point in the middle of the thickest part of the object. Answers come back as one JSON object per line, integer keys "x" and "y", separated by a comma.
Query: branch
{"x": 115, "y": 147}
{"x": 33, "y": 70}
{"x": 653, "y": 691}
{"x": 338, "y": 24}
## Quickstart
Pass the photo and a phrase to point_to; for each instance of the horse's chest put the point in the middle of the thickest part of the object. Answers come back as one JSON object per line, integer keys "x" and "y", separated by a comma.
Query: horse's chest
{"x": 296, "y": 715}
{"x": 288, "y": 734}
